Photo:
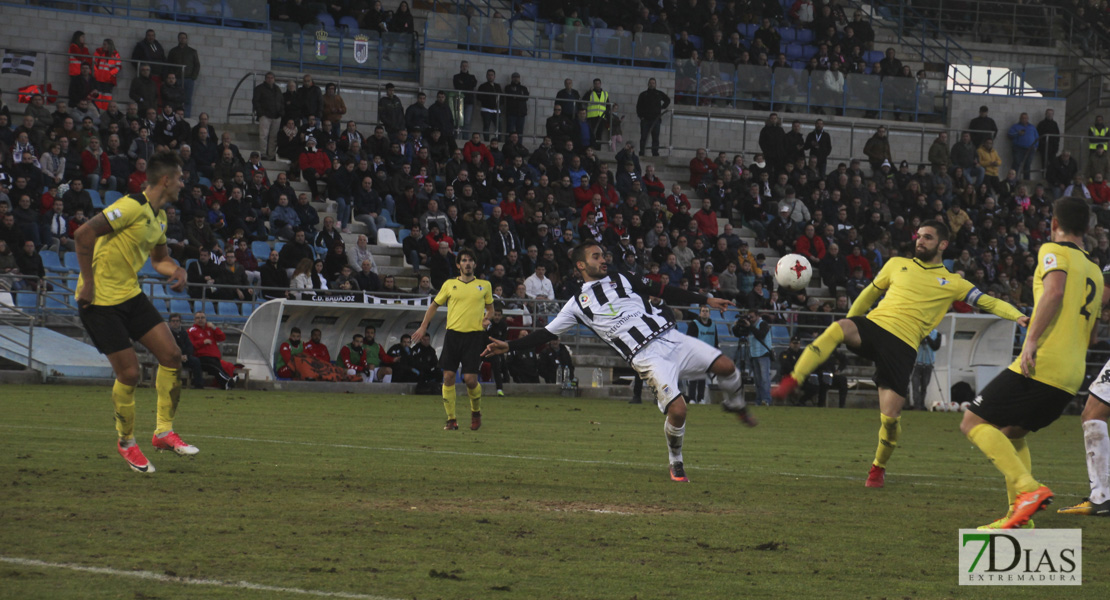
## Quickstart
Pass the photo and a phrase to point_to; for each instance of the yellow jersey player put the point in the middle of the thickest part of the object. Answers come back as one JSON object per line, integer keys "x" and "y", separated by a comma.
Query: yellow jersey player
{"x": 111, "y": 248}
{"x": 916, "y": 293}
{"x": 469, "y": 303}
{"x": 1033, "y": 392}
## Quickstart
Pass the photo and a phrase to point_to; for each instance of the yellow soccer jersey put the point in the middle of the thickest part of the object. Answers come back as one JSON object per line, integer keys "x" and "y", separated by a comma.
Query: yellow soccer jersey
{"x": 917, "y": 297}
{"x": 120, "y": 254}
{"x": 1062, "y": 348}
{"x": 466, "y": 303}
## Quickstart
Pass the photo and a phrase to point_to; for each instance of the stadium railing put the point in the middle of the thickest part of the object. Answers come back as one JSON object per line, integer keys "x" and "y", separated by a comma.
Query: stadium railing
{"x": 128, "y": 69}
{"x": 345, "y": 51}
{"x": 797, "y": 90}
{"x": 244, "y": 14}
{"x": 996, "y": 22}
{"x": 546, "y": 41}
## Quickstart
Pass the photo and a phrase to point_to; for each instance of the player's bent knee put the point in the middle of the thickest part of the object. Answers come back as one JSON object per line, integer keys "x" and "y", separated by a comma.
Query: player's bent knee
{"x": 1095, "y": 410}
{"x": 722, "y": 366}
{"x": 171, "y": 359}
{"x": 128, "y": 375}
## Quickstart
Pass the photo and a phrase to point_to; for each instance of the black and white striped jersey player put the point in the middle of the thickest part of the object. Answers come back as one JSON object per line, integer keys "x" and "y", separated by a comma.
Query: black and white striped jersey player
{"x": 619, "y": 312}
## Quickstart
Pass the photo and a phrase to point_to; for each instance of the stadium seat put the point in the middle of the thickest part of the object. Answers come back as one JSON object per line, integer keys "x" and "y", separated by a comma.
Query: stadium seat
{"x": 71, "y": 262}
{"x": 389, "y": 222}
{"x": 26, "y": 300}
{"x": 793, "y": 51}
{"x": 780, "y": 334}
{"x": 948, "y": 263}
{"x": 261, "y": 251}
{"x": 278, "y": 246}
{"x": 59, "y": 303}
{"x": 110, "y": 197}
{"x": 327, "y": 22}
{"x": 386, "y": 237}
{"x": 228, "y": 311}
{"x": 401, "y": 235}
{"x": 804, "y": 36}
{"x": 168, "y": 292}
{"x": 873, "y": 56}
{"x": 97, "y": 202}
{"x": 696, "y": 40}
{"x": 787, "y": 34}
{"x": 747, "y": 30}
{"x": 530, "y": 11}
{"x": 206, "y": 182}
{"x": 180, "y": 306}
{"x": 683, "y": 326}
{"x": 52, "y": 261}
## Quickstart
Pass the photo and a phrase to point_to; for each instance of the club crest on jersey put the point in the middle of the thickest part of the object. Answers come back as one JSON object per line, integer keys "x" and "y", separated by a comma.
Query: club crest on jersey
{"x": 479, "y": 288}
{"x": 942, "y": 281}
{"x": 584, "y": 299}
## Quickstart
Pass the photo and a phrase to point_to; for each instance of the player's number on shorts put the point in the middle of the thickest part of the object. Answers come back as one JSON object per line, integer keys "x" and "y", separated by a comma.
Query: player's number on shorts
{"x": 1090, "y": 296}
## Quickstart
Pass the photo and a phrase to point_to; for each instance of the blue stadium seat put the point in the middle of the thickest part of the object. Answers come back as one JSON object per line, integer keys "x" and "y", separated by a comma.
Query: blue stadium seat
{"x": 787, "y": 34}
{"x": 389, "y": 222}
{"x": 696, "y": 40}
{"x": 747, "y": 30}
{"x": 873, "y": 56}
{"x": 683, "y": 326}
{"x": 189, "y": 263}
{"x": 948, "y": 263}
{"x": 97, "y": 202}
{"x": 261, "y": 251}
{"x": 52, "y": 261}
{"x": 110, "y": 197}
{"x": 168, "y": 292}
{"x": 804, "y": 36}
{"x": 723, "y": 332}
{"x": 71, "y": 261}
{"x": 793, "y": 51}
{"x": 780, "y": 334}
{"x": 327, "y": 22}
{"x": 228, "y": 311}
{"x": 278, "y": 246}
{"x": 59, "y": 302}
{"x": 204, "y": 181}
{"x": 404, "y": 233}
{"x": 26, "y": 299}
{"x": 180, "y": 306}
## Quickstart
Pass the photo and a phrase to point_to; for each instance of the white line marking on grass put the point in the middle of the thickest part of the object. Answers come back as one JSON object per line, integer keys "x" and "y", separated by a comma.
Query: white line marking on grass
{"x": 160, "y": 577}
{"x": 748, "y": 468}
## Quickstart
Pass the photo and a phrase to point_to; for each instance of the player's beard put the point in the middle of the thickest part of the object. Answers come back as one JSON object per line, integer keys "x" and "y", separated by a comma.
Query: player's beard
{"x": 925, "y": 254}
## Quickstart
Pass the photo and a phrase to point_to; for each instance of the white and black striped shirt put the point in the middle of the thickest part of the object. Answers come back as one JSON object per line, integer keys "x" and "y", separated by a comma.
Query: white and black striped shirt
{"x": 618, "y": 311}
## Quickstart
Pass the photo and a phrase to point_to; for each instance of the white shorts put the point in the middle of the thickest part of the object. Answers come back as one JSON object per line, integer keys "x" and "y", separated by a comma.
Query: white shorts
{"x": 669, "y": 358}
{"x": 1100, "y": 385}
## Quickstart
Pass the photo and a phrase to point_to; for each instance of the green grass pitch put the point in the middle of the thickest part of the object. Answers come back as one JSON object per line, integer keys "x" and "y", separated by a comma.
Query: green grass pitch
{"x": 365, "y": 496}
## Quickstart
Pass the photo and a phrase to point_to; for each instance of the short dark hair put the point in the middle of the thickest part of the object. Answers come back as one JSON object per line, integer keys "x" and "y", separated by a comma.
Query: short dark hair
{"x": 1072, "y": 214}
{"x": 579, "y": 253}
{"x": 294, "y": 330}
{"x": 465, "y": 252}
{"x": 940, "y": 227}
{"x": 174, "y": 316}
{"x": 162, "y": 164}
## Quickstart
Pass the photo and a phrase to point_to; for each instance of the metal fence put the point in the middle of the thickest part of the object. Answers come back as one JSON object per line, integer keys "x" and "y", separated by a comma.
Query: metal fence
{"x": 798, "y": 90}
{"x": 250, "y": 14}
{"x": 346, "y": 52}
{"x": 1014, "y": 23}
{"x": 497, "y": 35}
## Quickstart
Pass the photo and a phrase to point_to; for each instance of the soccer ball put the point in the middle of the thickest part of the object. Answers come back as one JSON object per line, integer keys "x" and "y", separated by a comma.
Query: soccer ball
{"x": 793, "y": 272}
{"x": 964, "y": 406}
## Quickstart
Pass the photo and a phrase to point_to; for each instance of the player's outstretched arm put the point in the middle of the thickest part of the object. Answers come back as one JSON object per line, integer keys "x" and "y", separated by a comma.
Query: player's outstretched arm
{"x": 538, "y": 337}
{"x": 999, "y": 308}
{"x": 420, "y": 331}
{"x": 85, "y": 242}
{"x": 866, "y": 299}
{"x": 161, "y": 261}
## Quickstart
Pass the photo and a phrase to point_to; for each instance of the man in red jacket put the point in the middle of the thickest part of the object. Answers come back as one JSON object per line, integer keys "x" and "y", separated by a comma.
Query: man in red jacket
{"x": 316, "y": 348}
{"x": 206, "y": 340}
{"x": 700, "y": 166}
{"x": 314, "y": 165}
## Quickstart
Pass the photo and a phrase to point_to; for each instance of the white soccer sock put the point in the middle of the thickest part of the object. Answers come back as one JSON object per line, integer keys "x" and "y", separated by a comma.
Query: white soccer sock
{"x": 732, "y": 386}
{"x": 674, "y": 440}
{"x": 387, "y": 378}
{"x": 1097, "y": 441}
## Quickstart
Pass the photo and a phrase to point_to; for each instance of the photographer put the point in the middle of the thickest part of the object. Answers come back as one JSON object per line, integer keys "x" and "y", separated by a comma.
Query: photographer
{"x": 758, "y": 331}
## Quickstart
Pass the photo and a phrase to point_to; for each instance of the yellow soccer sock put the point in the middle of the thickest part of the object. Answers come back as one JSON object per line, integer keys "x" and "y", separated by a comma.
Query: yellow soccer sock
{"x": 123, "y": 397}
{"x": 1005, "y": 457}
{"x": 817, "y": 352}
{"x": 168, "y": 385}
{"x": 475, "y": 395}
{"x": 449, "y": 401}
{"x": 1022, "y": 450}
{"x": 889, "y": 432}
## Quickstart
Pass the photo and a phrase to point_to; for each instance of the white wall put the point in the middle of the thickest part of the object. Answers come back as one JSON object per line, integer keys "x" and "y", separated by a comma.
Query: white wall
{"x": 225, "y": 54}
{"x": 1005, "y": 110}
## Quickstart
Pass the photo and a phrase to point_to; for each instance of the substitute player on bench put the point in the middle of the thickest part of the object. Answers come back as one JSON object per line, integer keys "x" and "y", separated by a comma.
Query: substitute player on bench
{"x": 619, "y": 312}
{"x": 1043, "y": 381}
{"x": 469, "y": 303}
{"x": 918, "y": 292}
{"x": 111, "y": 248}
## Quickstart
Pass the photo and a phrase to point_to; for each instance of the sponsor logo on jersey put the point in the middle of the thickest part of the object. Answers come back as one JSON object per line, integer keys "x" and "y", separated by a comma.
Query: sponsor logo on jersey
{"x": 114, "y": 214}
{"x": 1049, "y": 261}
{"x": 584, "y": 299}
